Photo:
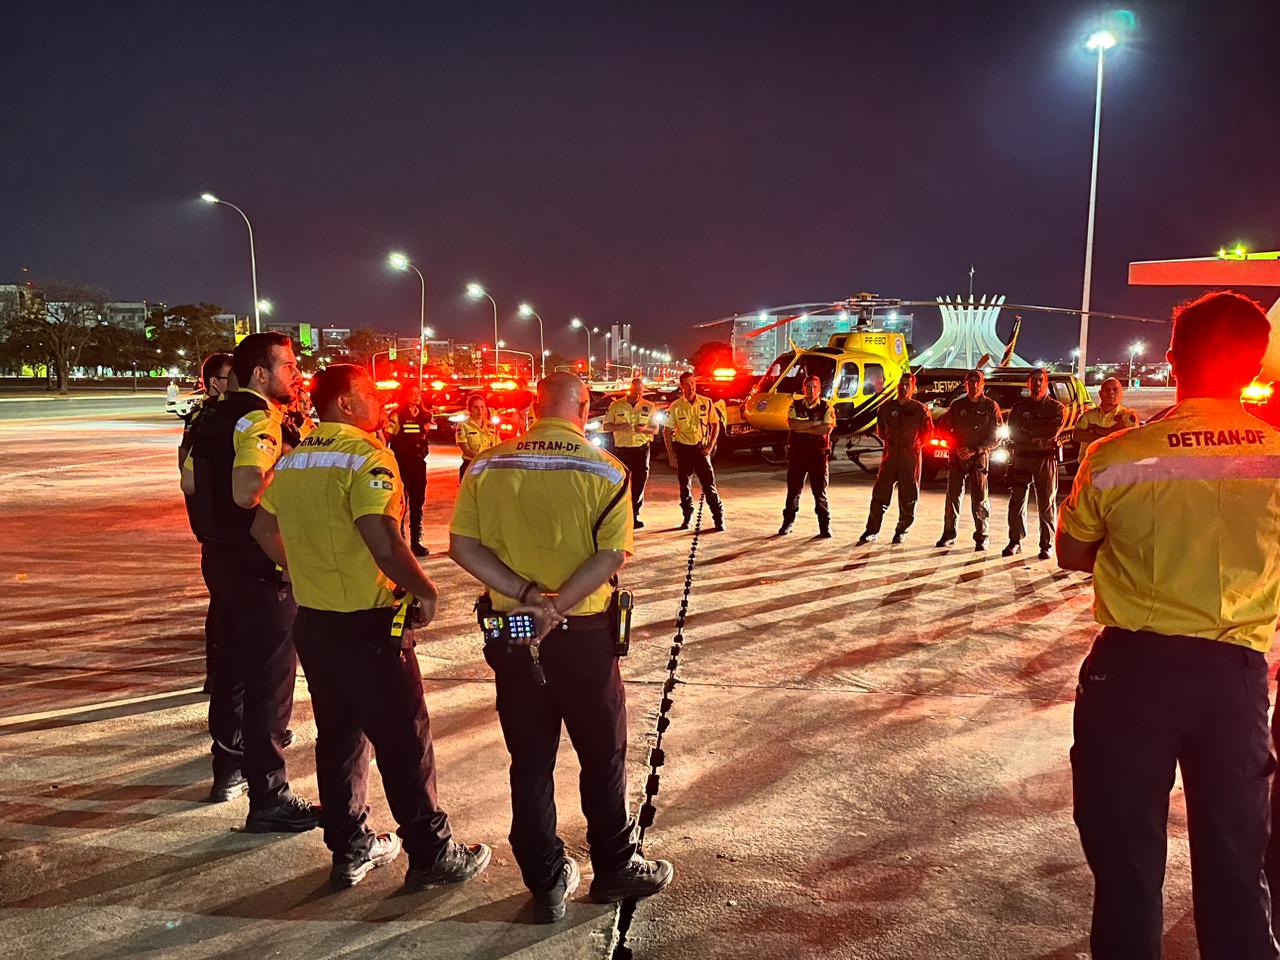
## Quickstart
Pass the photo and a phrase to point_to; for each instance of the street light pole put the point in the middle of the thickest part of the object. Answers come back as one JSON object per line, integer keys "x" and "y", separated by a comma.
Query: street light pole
{"x": 475, "y": 292}
{"x": 398, "y": 261}
{"x": 576, "y": 323}
{"x": 1101, "y": 41}
{"x": 527, "y": 311}
{"x": 253, "y": 257}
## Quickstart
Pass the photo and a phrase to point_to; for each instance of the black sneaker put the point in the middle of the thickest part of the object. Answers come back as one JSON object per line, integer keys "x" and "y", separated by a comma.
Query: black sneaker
{"x": 867, "y": 537}
{"x": 228, "y": 788}
{"x": 979, "y": 546}
{"x": 385, "y": 848}
{"x": 1011, "y": 549}
{"x": 635, "y": 878}
{"x": 1044, "y": 554}
{"x": 897, "y": 539}
{"x": 459, "y": 862}
{"x": 419, "y": 550}
{"x": 824, "y": 533}
{"x": 719, "y": 527}
{"x": 637, "y": 524}
{"x": 548, "y": 907}
{"x": 945, "y": 541}
{"x": 291, "y": 814}
{"x": 785, "y": 528}
{"x": 684, "y": 524}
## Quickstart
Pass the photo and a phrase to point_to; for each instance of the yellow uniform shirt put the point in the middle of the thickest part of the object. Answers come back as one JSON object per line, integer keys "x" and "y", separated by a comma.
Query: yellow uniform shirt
{"x": 257, "y": 436}
{"x": 332, "y": 478}
{"x": 691, "y": 422}
{"x": 544, "y": 503}
{"x": 1188, "y": 511}
{"x": 474, "y": 438}
{"x": 631, "y": 416}
{"x": 1120, "y": 417}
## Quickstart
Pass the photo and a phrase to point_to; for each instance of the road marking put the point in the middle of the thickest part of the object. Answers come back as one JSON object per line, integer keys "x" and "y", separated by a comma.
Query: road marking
{"x": 94, "y": 707}
{"x": 86, "y": 463}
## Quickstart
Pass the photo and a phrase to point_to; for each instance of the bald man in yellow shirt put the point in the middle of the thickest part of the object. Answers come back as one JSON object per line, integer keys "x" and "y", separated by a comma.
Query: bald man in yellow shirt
{"x": 1179, "y": 523}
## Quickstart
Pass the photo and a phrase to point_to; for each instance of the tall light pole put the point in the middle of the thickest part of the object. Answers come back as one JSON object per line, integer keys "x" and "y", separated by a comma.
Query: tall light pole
{"x": 477, "y": 292}
{"x": 398, "y": 261}
{"x": 1135, "y": 350}
{"x": 527, "y": 311}
{"x": 1101, "y": 41}
{"x": 579, "y": 325}
{"x": 253, "y": 257}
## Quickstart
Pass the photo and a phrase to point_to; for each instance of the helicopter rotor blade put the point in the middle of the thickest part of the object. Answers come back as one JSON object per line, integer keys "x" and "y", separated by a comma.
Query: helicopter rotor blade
{"x": 1072, "y": 312}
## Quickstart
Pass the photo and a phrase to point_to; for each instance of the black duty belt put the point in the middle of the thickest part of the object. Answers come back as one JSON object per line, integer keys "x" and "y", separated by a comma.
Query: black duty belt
{"x": 590, "y": 621}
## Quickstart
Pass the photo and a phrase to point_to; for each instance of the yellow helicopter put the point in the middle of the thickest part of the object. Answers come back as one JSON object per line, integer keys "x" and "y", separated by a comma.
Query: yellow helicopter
{"x": 859, "y": 368}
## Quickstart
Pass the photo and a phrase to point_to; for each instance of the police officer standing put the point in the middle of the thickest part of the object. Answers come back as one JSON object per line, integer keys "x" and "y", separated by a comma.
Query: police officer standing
{"x": 693, "y": 426}
{"x": 903, "y": 425}
{"x": 1177, "y": 521}
{"x": 811, "y": 420}
{"x": 1106, "y": 418}
{"x": 215, "y": 376}
{"x": 972, "y": 421}
{"x": 1034, "y": 425}
{"x": 632, "y": 421}
{"x": 475, "y": 434}
{"x": 542, "y": 521}
{"x": 233, "y": 457}
{"x": 409, "y": 428}
{"x": 332, "y": 516}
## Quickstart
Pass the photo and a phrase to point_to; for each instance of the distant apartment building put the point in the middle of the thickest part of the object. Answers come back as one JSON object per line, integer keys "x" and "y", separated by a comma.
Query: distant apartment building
{"x": 755, "y": 353}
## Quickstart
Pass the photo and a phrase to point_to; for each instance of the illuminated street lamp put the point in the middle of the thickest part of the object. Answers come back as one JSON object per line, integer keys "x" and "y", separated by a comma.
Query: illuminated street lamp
{"x": 477, "y": 292}
{"x": 253, "y": 258}
{"x": 579, "y": 325}
{"x": 1135, "y": 350}
{"x": 266, "y": 307}
{"x": 1101, "y": 41}
{"x": 1075, "y": 357}
{"x": 526, "y": 312}
{"x": 398, "y": 261}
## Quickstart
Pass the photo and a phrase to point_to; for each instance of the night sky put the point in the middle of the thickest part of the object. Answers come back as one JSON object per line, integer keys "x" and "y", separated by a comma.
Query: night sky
{"x": 652, "y": 163}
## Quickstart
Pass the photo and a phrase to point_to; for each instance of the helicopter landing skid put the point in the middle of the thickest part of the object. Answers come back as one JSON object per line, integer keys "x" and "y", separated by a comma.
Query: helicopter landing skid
{"x": 860, "y": 445}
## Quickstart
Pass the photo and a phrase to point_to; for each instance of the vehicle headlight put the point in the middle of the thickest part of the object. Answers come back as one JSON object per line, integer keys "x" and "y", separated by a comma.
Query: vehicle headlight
{"x": 660, "y": 417}
{"x": 1002, "y": 431}
{"x": 597, "y": 441}
{"x": 1000, "y": 456}
{"x": 458, "y": 418}
{"x": 594, "y": 424}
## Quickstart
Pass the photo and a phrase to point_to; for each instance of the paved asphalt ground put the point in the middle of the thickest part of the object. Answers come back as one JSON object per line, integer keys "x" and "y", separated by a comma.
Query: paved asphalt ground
{"x": 867, "y": 757}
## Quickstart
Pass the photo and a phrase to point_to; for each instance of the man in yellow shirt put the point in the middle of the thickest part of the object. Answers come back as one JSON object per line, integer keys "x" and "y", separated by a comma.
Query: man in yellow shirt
{"x": 233, "y": 455}
{"x": 1106, "y": 418}
{"x": 1179, "y": 522}
{"x": 476, "y": 434}
{"x": 542, "y": 522}
{"x": 633, "y": 422}
{"x": 692, "y": 428}
{"x": 332, "y": 518}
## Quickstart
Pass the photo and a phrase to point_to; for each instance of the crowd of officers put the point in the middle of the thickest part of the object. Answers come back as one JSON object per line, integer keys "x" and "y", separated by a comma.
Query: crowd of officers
{"x": 303, "y": 552}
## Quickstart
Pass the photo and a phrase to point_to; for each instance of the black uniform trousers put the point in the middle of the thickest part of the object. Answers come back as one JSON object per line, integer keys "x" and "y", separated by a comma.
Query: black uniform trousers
{"x": 583, "y": 692}
{"x": 692, "y": 460}
{"x": 365, "y": 695}
{"x": 1042, "y": 474}
{"x": 973, "y": 475}
{"x": 812, "y": 465}
{"x": 251, "y": 671}
{"x": 1145, "y": 704}
{"x": 899, "y": 467}
{"x": 636, "y": 460}
{"x": 413, "y": 474}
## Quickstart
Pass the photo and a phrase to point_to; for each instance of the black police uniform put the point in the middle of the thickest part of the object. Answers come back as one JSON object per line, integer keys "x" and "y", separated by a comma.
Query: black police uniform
{"x": 1033, "y": 427}
{"x": 216, "y": 611}
{"x": 904, "y": 428}
{"x": 972, "y": 424}
{"x": 251, "y": 676}
{"x": 808, "y": 456}
{"x": 409, "y": 444}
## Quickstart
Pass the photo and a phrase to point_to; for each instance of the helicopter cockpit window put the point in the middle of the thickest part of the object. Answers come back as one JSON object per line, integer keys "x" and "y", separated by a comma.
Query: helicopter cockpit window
{"x": 774, "y": 372}
{"x": 847, "y": 385}
{"x": 872, "y": 379}
{"x": 808, "y": 365}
